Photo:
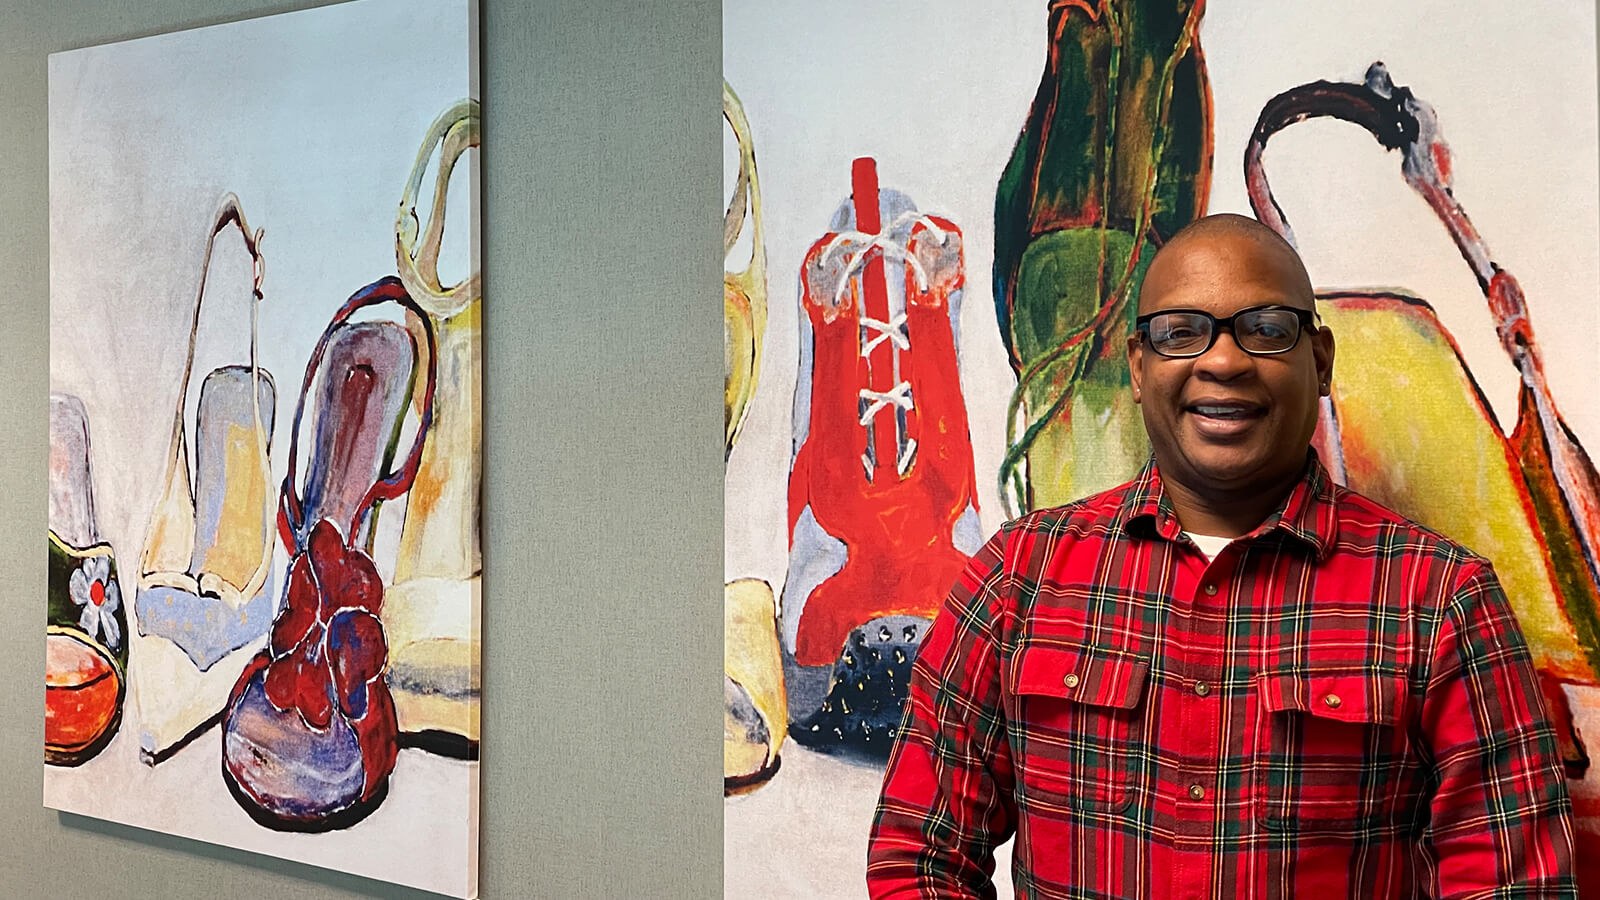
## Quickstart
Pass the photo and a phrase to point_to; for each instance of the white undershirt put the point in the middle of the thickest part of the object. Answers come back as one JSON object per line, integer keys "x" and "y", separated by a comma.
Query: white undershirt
{"x": 1209, "y": 544}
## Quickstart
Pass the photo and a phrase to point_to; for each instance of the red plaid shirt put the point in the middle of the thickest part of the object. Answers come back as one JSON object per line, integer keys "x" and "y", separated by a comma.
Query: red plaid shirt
{"x": 1339, "y": 705}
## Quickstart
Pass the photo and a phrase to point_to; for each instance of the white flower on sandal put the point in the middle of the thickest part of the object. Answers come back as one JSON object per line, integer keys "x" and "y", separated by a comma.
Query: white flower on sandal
{"x": 93, "y": 588}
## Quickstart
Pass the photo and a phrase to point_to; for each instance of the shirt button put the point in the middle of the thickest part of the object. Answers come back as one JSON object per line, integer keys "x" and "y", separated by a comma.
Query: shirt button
{"x": 1211, "y": 590}
{"x": 1070, "y": 681}
{"x": 1333, "y": 701}
{"x": 1201, "y": 688}
{"x": 1196, "y": 792}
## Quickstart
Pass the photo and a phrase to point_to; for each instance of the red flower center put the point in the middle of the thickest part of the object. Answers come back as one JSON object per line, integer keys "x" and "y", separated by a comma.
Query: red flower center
{"x": 97, "y": 593}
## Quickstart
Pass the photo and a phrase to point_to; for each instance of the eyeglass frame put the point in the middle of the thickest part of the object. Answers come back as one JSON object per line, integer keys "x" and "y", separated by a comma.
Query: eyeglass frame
{"x": 1304, "y": 319}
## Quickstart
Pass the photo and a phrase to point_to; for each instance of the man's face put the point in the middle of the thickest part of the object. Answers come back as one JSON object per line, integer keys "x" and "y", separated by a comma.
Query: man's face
{"x": 1226, "y": 421}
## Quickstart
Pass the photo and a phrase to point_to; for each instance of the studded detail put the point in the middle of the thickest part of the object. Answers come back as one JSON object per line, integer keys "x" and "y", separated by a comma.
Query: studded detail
{"x": 860, "y": 713}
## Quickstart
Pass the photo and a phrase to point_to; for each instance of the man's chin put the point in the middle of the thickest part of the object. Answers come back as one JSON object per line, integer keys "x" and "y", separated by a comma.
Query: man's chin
{"x": 1230, "y": 473}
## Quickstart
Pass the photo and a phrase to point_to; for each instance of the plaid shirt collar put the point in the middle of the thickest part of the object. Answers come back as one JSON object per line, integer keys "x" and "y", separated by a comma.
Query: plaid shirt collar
{"x": 1309, "y": 514}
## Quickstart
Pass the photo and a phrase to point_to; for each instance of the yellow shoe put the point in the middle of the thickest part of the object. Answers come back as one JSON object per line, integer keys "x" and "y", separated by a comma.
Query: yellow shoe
{"x": 755, "y": 712}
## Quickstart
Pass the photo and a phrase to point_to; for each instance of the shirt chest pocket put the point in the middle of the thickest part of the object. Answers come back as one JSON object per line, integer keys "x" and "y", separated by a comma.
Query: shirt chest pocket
{"x": 1331, "y": 752}
{"x": 1078, "y": 728}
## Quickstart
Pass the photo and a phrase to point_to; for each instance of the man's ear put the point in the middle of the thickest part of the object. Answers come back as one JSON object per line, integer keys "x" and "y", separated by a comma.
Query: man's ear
{"x": 1135, "y": 358}
{"x": 1322, "y": 351}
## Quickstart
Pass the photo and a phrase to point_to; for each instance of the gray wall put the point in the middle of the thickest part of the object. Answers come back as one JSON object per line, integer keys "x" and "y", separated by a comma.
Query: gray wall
{"x": 603, "y": 506}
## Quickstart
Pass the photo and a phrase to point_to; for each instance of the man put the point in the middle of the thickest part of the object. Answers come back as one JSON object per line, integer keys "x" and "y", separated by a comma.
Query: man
{"x": 1229, "y": 677}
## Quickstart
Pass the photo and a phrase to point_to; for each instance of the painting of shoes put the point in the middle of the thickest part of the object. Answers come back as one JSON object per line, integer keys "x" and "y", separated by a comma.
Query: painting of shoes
{"x": 286, "y": 661}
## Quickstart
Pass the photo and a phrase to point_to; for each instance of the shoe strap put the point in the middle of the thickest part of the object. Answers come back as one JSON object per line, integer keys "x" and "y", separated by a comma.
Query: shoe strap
{"x": 291, "y": 513}
{"x": 228, "y": 213}
{"x": 746, "y": 197}
{"x": 1400, "y": 121}
{"x": 748, "y": 325}
{"x": 456, "y": 130}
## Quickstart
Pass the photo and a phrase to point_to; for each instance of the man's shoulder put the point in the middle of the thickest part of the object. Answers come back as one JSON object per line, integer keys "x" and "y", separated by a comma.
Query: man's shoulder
{"x": 1099, "y": 510}
{"x": 1366, "y": 525}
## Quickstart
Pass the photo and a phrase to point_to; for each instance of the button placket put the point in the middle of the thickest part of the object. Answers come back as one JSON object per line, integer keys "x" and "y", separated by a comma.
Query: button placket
{"x": 1200, "y": 718}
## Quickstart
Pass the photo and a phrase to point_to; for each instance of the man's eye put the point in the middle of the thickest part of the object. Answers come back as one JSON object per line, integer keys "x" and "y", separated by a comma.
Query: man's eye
{"x": 1179, "y": 331}
{"x": 1268, "y": 328}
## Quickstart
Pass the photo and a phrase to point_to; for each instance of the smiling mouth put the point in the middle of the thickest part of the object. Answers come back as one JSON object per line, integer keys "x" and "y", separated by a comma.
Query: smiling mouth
{"x": 1225, "y": 411}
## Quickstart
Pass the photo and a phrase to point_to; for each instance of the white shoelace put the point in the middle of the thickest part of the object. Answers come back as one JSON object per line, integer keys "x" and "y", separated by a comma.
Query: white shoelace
{"x": 860, "y": 242}
{"x": 898, "y": 396}
{"x": 894, "y": 331}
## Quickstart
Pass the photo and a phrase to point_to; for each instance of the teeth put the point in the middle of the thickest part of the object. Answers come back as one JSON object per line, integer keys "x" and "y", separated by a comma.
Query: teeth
{"x": 1222, "y": 412}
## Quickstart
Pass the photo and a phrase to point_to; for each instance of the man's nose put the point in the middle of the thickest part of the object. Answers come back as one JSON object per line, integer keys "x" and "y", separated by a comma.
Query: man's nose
{"x": 1225, "y": 360}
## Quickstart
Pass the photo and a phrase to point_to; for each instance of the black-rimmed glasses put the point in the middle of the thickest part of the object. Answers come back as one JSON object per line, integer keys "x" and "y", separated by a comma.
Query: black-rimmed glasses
{"x": 1259, "y": 331}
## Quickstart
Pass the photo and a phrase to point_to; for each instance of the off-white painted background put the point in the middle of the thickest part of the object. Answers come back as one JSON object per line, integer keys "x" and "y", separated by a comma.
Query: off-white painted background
{"x": 601, "y": 120}
{"x": 938, "y": 92}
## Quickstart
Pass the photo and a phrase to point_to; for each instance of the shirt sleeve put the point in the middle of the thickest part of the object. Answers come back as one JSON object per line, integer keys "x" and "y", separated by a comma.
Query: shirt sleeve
{"x": 1500, "y": 819}
{"x": 947, "y": 794}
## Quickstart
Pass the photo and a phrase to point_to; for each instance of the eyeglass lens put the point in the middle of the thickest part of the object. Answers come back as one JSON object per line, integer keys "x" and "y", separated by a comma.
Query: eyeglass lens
{"x": 1255, "y": 330}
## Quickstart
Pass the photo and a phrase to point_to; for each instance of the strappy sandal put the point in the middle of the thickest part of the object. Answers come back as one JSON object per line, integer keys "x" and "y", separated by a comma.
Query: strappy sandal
{"x": 433, "y": 607}
{"x": 205, "y": 596}
{"x": 86, "y": 632}
{"x": 309, "y": 735}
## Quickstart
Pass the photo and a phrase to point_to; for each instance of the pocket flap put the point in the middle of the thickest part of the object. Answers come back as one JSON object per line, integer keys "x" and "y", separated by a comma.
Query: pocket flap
{"x": 1089, "y": 675}
{"x": 1349, "y": 695}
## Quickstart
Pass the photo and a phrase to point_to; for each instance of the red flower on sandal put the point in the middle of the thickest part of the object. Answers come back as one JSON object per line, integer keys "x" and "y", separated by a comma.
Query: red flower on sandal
{"x": 328, "y": 646}
{"x": 309, "y": 730}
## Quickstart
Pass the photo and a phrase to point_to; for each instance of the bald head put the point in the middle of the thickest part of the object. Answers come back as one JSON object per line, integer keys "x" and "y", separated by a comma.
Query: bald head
{"x": 1264, "y": 250}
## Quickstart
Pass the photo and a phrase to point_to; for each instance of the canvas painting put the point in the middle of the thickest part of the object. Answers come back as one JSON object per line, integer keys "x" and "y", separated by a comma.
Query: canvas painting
{"x": 936, "y": 222}
{"x": 263, "y": 622}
